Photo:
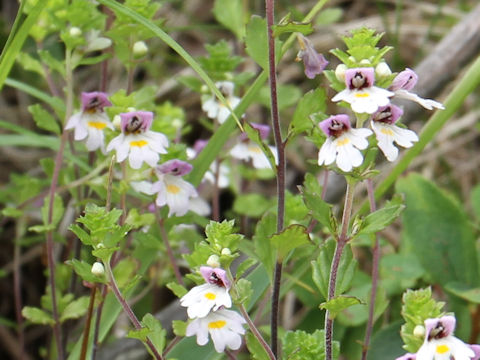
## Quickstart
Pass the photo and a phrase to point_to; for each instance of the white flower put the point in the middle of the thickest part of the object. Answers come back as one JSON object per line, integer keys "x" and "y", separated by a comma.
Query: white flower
{"x": 200, "y": 300}
{"x": 216, "y": 109}
{"x": 247, "y": 150}
{"x": 171, "y": 189}
{"x": 360, "y": 92}
{"x": 224, "y": 326}
{"x": 97, "y": 269}
{"x": 405, "y": 81}
{"x": 89, "y": 124}
{"x": 383, "y": 124}
{"x": 343, "y": 143}
{"x": 137, "y": 142}
{"x": 440, "y": 344}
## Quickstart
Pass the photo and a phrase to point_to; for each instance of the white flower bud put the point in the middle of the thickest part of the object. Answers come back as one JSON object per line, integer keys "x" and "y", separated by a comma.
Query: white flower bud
{"x": 140, "y": 49}
{"x": 100, "y": 246}
{"x": 213, "y": 261}
{"x": 226, "y": 251}
{"x": 98, "y": 269}
{"x": 365, "y": 62}
{"x": 75, "y": 31}
{"x": 177, "y": 123}
{"x": 382, "y": 70}
{"x": 340, "y": 72}
{"x": 117, "y": 120}
{"x": 419, "y": 331}
{"x": 352, "y": 59}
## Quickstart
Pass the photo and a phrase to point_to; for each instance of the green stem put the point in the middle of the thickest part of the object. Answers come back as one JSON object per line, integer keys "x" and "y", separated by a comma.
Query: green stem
{"x": 468, "y": 83}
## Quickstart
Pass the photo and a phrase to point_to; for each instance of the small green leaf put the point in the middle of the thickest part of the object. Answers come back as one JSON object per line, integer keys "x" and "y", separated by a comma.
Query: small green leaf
{"x": 321, "y": 210}
{"x": 338, "y": 304}
{"x": 292, "y": 27}
{"x": 53, "y": 63}
{"x": 12, "y": 212}
{"x": 244, "y": 291}
{"x": 329, "y": 16}
{"x": 37, "y": 316}
{"x": 230, "y": 14}
{"x": 257, "y": 352}
{"x": 177, "y": 289}
{"x": 158, "y": 334}
{"x": 58, "y": 210}
{"x": 179, "y": 327}
{"x": 380, "y": 219}
{"x": 292, "y": 237}
{"x": 29, "y": 63}
{"x": 104, "y": 253}
{"x": 84, "y": 270}
{"x": 257, "y": 41}
{"x": 261, "y": 239}
{"x": 300, "y": 345}
{"x": 312, "y": 102}
{"x": 140, "y": 334}
{"x": 75, "y": 309}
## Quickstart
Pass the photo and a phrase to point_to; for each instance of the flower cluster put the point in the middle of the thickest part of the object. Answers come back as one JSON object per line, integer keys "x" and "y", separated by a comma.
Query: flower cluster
{"x": 440, "y": 344}
{"x": 343, "y": 143}
{"x": 206, "y": 306}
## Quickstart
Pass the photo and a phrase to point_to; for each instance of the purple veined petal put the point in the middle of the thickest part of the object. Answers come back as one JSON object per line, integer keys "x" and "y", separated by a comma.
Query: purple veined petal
{"x": 94, "y": 101}
{"x": 335, "y": 125}
{"x": 359, "y": 78}
{"x": 175, "y": 167}
{"x": 405, "y": 80}
{"x": 215, "y": 276}
{"x": 136, "y": 121}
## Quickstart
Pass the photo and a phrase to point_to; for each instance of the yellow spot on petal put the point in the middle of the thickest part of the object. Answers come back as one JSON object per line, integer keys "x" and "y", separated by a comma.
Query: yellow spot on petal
{"x": 217, "y": 324}
{"x": 255, "y": 149}
{"x": 362, "y": 95}
{"x": 97, "y": 125}
{"x": 210, "y": 296}
{"x": 173, "y": 189}
{"x": 442, "y": 349}
{"x": 342, "y": 142}
{"x": 386, "y": 131}
{"x": 138, "y": 143}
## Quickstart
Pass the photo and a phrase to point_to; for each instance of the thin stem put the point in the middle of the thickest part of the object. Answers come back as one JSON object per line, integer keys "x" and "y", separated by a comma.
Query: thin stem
{"x": 281, "y": 168}
{"x": 88, "y": 321}
{"x": 171, "y": 256}
{"x": 332, "y": 284}
{"x": 17, "y": 290}
{"x": 376, "y": 260}
{"x": 96, "y": 333}
{"x": 128, "y": 310}
{"x": 256, "y": 333}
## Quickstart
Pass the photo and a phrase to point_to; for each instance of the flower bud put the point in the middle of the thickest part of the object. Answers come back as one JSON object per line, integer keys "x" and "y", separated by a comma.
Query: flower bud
{"x": 98, "y": 269}
{"x": 75, "y": 31}
{"x": 117, "y": 120}
{"x": 382, "y": 70}
{"x": 140, "y": 49}
{"x": 226, "y": 251}
{"x": 340, "y": 72}
{"x": 213, "y": 261}
{"x": 177, "y": 123}
{"x": 365, "y": 62}
{"x": 419, "y": 331}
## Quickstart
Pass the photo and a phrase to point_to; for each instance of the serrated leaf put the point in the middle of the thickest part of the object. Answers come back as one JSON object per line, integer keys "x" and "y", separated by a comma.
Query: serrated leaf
{"x": 292, "y": 237}
{"x": 84, "y": 270}
{"x": 81, "y": 234}
{"x": 230, "y": 14}
{"x": 312, "y": 102}
{"x": 37, "y": 316}
{"x": 244, "y": 291}
{"x": 292, "y": 27}
{"x": 321, "y": 210}
{"x": 158, "y": 334}
{"x": 338, "y": 304}
{"x": 177, "y": 289}
{"x": 321, "y": 268}
{"x": 257, "y": 352}
{"x": 140, "y": 334}
{"x": 75, "y": 309}
{"x": 263, "y": 247}
{"x": 300, "y": 345}
{"x": 380, "y": 219}
{"x": 104, "y": 253}
{"x": 256, "y": 41}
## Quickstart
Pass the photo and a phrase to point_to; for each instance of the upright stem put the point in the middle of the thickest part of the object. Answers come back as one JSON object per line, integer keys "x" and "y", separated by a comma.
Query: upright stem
{"x": 376, "y": 260}
{"x": 17, "y": 289}
{"x": 341, "y": 242}
{"x": 88, "y": 321}
{"x": 281, "y": 168}
{"x": 128, "y": 310}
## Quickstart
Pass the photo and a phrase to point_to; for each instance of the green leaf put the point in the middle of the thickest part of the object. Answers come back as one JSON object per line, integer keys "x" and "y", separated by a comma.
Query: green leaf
{"x": 257, "y": 352}
{"x": 84, "y": 270}
{"x": 464, "y": 291}
{"x": 44, "y": 119}
{"x": 321, "y": 268}
{"x": 75, "y": 309}
{"x": 380, "y": 219}
{"x": 338, "y": 304}
{"x": 37, "y": 316}
{"x": 290, "y": 238}
{"x": 475, "y": 198}
{"x": 287, "y": 96}
{"x": 230, "y": 14}
{"x": 157, "y": 333}
{"x": 58, "y": 210}
{"x": 222, "y": 235}
{"x": 252, "y": 205}
{"x": 244, "y": 291}
{"x": 179, "y": 327}
{"x": 53, "y": 63}
{"x": 29, "y": 63}
{"x": 399, "y": 272}
{"x": 329, "y": 16}
{"x": 312, "y": 102}
{"x": 321, "y": 210}
{"x": 191, "y": 82}
{"x": 12, "y": 212}
{"x": 261, "y": 239}
{"x": 439, "y": 232}
{"x": 292, "y": 27}
{"x": 386, "y": 344}
{"x": 256, "y": 41}
{"x": 140, "y": 334}
{"x": 177, "y": 289}
{"x": 104, "y": 253}
{"x": 300, "y": 345}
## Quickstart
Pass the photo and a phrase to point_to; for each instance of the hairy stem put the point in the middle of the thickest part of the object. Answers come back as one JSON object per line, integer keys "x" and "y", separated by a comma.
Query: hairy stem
{"x": 332, "y": 284}
{"x": 281, "y": 168}
{"x": 376, "y": 260}
{"x": 256, "y": 333}
{"x": 128, "y": 310}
